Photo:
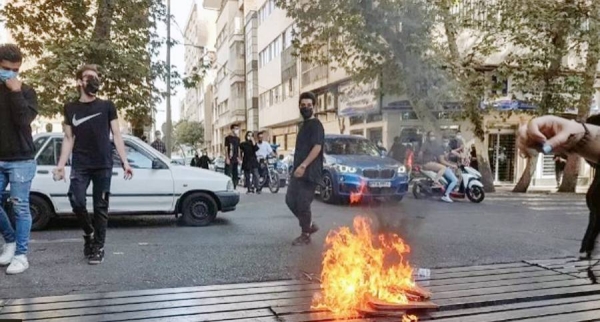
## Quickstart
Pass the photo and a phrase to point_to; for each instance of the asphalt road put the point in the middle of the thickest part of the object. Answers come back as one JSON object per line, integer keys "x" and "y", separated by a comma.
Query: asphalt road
{"x": 254, "y": 242}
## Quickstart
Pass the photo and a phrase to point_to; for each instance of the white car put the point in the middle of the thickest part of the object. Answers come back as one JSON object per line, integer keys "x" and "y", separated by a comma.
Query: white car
{"x": 158, "y": 186}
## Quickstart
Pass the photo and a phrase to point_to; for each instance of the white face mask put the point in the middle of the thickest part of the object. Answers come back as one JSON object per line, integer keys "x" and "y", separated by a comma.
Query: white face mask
{"x": 236, "y": 131}
{"x": 459, "y": 137}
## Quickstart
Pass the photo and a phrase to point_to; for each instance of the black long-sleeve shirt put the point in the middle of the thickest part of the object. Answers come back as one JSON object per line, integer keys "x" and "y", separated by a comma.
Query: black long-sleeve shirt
{"x": 17, "y": 111}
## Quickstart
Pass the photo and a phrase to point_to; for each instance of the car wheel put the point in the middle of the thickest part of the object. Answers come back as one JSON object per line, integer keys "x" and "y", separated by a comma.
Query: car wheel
{"x": 326, "y": 191}
{"x": 198, "y": 209}
{"x": 41, "y": 212}
{"x": 475, "y": 194}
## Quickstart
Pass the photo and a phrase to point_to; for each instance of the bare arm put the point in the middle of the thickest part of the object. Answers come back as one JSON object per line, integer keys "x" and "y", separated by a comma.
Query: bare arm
{"x": 67, "y": 146}
{"x": 445, "y": 162}
{"x": 119, "y": 144}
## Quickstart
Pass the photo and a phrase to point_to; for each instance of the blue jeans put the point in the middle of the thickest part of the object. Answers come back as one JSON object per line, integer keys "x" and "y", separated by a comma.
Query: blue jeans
{"x": 452, "y": 181}
{"x": 19, "y": 175}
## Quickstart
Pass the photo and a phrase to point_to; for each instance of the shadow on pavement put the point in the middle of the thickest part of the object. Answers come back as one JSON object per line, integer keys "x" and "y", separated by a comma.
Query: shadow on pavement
{"x": 129, "y": 221}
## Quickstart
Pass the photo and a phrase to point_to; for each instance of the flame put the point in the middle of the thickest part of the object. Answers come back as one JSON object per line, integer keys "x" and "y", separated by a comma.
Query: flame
{"x": 356, "y": 197}
{"x": 356, "y": 269}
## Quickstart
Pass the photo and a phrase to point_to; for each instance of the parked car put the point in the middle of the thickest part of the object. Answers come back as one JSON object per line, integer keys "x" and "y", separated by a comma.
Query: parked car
{"x": 354, "y": 164}
{"x": 158, "y": 187}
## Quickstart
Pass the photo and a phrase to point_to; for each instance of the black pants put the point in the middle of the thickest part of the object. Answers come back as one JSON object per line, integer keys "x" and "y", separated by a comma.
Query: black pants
{"x": 299, "y": 197}
{"x": 593, "y": 228}
{"x": 559, "y": 169}
{"x": 252, "y": 183}
{"x": 97, "y": 222}
{"x": 231, "y": 170}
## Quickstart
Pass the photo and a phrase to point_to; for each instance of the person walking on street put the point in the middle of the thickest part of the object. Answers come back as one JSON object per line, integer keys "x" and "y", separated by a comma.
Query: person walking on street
{"x": 307, "y": 169}
{"x": 195, "y": 161}
{"x": 250, "y": 164}
{"x": 560, "y": 161}
{"x": 204, "y": 161}
{"x": 264, "y": 151}
{"x": 158, "y": 144}
{"x": 88, "y": 123}
{"x": 18, "y": 108}
{"x": 232, "y": 157}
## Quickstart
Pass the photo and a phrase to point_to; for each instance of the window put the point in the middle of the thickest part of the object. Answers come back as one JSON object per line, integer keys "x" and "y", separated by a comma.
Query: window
{"x": 374, "y": 118}
{"x": 39, "y": 143}
{"x": 137, "y": 159}
{"x": 49, "y": 156}
{"x": 357, "y": 120}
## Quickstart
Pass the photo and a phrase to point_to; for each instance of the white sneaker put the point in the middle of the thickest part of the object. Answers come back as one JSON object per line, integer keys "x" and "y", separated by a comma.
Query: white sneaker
{"x": 447, "y": 199}
{"x": 18, "y": 265}
{"x": 8, "y": 253}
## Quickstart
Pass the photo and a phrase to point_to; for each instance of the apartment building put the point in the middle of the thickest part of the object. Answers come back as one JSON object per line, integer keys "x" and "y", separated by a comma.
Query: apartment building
{"x": 199, "y": 42}
{"x": 229, "y": 88}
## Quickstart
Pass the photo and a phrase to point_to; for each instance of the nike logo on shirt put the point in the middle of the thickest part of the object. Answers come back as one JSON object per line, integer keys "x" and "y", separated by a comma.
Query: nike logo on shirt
{"x": 77, "y": 122}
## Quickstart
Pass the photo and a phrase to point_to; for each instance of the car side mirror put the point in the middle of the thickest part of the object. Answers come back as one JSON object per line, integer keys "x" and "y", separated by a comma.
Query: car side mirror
{"x": 157, "y": 164}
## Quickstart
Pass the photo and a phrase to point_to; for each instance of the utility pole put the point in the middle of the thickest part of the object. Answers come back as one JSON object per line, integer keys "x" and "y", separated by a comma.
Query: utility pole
{"x": 168, "y": 135}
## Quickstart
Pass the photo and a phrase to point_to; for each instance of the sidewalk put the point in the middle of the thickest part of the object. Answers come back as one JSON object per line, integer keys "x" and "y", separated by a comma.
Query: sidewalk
{"x": 546, "y": 290}
{"x": 538, "y": 190}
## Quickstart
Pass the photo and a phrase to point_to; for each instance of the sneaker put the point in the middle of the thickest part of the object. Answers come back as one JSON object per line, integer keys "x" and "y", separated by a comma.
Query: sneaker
{"x": 8, "y": 253}
{"x": 313, "y": 229}
{"x": 87, "y": 246}
{"x": 97, "y": 256}
{"x": 18, "y": 265}
{"x": 304, "y": 239}
{"x": 258, "y": 192}
{"x": 447, "y": 199}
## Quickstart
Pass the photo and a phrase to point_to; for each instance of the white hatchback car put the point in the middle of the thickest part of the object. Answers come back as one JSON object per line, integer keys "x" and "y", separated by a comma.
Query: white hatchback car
{"x": 158, "y": 186}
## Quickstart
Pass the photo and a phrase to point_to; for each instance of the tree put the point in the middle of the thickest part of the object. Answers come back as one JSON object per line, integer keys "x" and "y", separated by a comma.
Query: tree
{"x": 539, "y": 32}
{"x": 189, "y": 133}
{"x": 120, "y": 36}
{"x": 386, "y": 40}
{"x": 397, "y": 43}
{"x": 590, "y": 37}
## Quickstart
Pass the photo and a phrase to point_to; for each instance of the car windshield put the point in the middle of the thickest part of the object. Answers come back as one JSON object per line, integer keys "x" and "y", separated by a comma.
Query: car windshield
{"x": 350, "y": 146}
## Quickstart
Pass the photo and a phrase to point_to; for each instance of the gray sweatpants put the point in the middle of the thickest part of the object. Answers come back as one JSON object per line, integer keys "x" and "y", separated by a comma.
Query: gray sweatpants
{"x": 299, "y": 197}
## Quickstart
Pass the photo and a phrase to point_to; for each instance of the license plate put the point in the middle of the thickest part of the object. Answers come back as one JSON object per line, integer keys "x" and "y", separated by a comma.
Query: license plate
{"x": 380, "y": 184}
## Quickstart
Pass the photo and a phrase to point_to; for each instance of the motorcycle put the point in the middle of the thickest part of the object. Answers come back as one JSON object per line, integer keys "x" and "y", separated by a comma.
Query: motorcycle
{"x": 469, "y": 185}
{"x": 268, "y": 174}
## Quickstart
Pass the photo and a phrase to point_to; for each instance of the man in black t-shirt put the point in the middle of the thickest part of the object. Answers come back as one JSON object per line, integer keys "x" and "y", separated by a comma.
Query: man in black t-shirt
{"x": 87, "y": 126}
{"x": 232, "y": 154}
{"x": 308, "y": 168}
{"x": 204, "y": 161}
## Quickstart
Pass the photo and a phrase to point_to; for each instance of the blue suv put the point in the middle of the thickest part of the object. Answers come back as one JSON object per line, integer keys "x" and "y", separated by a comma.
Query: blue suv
{"x": 354, "y": 165}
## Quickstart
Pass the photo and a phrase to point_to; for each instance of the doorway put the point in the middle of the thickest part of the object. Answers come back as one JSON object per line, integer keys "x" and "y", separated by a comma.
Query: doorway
{"x": 502, "y": 152}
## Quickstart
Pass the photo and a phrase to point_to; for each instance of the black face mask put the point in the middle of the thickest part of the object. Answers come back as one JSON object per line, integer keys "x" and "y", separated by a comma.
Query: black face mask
{"x": 259, "y": 140}
{"x": 306, "y": 112}
{"x": 92, "y": 86}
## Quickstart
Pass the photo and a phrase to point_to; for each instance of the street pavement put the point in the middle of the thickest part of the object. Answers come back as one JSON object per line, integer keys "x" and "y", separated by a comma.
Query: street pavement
{"x": 254, "y": 242}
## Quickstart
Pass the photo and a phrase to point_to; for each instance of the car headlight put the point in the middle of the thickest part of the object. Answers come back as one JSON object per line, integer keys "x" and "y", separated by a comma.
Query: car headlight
{"x": 346, "y": 169}
{"x": 401, "y": 169}
{"x": 230, "y": 185}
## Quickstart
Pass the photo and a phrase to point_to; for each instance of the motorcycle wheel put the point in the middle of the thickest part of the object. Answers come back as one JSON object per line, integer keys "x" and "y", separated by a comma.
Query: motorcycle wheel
{"x": 475, "y": 194}
{"x": 418, "y": 190}
{"x": 274, "y": 182}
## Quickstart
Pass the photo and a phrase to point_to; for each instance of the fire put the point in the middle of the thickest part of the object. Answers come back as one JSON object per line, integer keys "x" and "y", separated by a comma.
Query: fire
{"x": 356, "y": 197}
{"x": 356, "y": 269}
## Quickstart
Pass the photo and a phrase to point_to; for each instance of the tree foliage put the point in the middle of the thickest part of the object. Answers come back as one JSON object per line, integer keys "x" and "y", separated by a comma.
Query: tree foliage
{"x": 120, "y": 36}
{"x": 189, "y": 133}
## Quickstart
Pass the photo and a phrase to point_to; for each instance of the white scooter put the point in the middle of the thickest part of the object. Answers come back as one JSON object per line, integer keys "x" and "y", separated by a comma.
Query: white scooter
{"x": 469, "y": 185}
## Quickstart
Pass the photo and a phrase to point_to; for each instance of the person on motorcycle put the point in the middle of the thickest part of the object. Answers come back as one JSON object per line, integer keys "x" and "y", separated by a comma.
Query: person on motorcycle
{"x": 435, "y": 159}
{"x": 264, "y": 150}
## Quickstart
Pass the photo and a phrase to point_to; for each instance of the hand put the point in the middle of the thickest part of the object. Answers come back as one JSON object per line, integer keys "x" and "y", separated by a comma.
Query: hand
{"x": 227, "y": 161}
{"x": 14, "y": 84}
{"x": 299, "y": 172}
{"x": 557, "y": 133}
{"x": 59, "y": 174}
{"x": 128, "y": 175}
{"x": 239, "y": 160}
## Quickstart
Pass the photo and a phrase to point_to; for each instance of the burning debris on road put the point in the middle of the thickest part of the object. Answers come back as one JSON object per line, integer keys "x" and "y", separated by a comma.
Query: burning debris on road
{"x": 367, "y": 275}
